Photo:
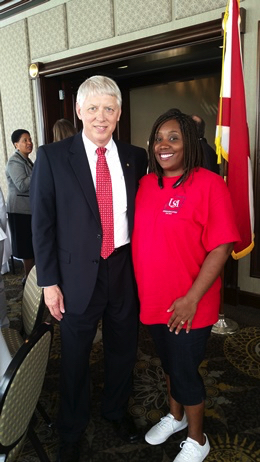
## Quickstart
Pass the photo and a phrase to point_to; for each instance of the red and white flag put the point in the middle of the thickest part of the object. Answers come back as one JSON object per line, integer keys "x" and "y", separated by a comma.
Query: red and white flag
{"x": 232, "y": 139}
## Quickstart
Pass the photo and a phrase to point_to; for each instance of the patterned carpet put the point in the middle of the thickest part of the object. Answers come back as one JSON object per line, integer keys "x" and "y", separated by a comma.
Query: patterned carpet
{"x": 231, "y": 372}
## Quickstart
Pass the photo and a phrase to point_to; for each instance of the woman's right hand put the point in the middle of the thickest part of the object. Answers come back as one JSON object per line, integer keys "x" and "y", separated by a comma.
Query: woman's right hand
{"x": 184, "y": 309}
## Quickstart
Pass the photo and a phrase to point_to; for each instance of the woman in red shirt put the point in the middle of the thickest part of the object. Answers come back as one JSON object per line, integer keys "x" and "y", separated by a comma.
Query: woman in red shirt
{"x": 184, "y": 232}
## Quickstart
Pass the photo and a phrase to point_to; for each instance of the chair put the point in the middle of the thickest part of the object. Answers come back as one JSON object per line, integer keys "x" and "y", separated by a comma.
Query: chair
{"x": 20, "y": 389}
{"x": 32, "y": 311}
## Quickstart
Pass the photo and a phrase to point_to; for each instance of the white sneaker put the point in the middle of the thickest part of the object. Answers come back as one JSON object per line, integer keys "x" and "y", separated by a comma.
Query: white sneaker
{"x": 166, "y": 427}
{"x": 193, "y": 451}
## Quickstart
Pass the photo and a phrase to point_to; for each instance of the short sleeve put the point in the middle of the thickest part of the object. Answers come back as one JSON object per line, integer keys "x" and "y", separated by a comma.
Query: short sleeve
{"x": 220, "y": 227}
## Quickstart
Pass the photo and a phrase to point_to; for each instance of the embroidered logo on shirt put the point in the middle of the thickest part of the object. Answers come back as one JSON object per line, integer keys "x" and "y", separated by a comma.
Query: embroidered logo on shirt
{"x": 174, "y": 205}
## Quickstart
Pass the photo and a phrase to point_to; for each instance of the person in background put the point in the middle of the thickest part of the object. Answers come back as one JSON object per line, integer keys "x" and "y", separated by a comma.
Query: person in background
{"x": 4, "y": 321}
{"x": 63, "y": 128}
{"x": 210, "y": 157}
{"x": 18, "y": 173}
{"x": 82, "y": 195}
{"x": 184, "y": 231}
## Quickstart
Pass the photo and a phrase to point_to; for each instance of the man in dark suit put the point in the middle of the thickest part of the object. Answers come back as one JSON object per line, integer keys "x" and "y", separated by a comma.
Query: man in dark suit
{"x": 210, "y": 157}
{"x": 81, "y": 286}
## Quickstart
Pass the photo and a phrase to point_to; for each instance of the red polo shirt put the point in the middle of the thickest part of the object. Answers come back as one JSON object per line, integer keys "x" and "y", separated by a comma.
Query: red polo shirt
{"x": 175, "y": 229}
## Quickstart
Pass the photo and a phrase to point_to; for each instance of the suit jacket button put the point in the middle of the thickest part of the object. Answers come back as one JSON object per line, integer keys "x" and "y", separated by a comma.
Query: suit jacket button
{"x": 95, "y": 261}
{"x": 99, "y": 236}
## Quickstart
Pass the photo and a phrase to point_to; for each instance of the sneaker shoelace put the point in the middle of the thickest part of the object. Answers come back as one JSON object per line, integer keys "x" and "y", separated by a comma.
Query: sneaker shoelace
{"x": 189, "y": 449}
{"x": 165, "y": 422}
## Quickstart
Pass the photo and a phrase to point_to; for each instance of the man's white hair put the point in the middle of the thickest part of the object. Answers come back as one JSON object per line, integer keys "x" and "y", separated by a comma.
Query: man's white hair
{"x": 98, "y": 85}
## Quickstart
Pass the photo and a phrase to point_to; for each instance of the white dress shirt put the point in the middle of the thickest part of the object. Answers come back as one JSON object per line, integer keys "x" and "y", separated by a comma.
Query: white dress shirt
{"x": 121, "y": 233}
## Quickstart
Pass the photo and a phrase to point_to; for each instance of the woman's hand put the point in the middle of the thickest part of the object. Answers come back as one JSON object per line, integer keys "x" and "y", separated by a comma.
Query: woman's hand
{"x": 183, "y": 310}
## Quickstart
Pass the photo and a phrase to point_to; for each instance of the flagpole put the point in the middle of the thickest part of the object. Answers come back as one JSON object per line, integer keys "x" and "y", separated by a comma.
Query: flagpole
{"x": 224, "y": 326}
{"x": 232, "y": 144}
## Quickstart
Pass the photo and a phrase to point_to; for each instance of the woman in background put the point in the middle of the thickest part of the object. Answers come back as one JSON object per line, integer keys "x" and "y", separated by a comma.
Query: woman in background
{"x": 4, "y": 321}
{"x": 18, "y": 173}
{"x": 63, "y": 128}
{"x": 183, "y": 234}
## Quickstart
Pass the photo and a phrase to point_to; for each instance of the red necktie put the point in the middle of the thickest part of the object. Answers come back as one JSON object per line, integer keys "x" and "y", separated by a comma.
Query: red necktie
{"x": 105, "y": 203}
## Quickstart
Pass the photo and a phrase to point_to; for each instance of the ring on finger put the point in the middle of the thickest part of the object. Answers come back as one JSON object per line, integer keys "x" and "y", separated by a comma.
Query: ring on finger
{"x": 182, "y": 322}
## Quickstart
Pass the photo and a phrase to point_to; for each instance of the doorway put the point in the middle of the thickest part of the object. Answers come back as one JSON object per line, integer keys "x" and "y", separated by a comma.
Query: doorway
{"x": 178, "y": 56}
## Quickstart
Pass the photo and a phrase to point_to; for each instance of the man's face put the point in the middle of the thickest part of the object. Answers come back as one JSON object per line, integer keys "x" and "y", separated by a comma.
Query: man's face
{"x": 99, "y": 115}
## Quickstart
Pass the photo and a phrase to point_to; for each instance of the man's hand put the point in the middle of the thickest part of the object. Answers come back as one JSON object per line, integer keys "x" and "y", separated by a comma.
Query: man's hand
{"x": 54, "y": 301}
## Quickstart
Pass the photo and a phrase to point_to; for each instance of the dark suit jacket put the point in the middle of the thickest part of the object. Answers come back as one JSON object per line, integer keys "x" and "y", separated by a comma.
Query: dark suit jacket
{"x": 210, "y": 157}
{"x": 66, "y": 226}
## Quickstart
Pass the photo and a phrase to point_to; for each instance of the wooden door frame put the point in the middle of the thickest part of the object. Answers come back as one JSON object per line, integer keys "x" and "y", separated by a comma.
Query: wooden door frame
{"x": 200, "y": 33}
{"x": 255, "y": 256}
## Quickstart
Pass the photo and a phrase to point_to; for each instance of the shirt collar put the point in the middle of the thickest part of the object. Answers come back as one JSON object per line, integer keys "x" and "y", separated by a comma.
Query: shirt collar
{"x": 91, "y": 147}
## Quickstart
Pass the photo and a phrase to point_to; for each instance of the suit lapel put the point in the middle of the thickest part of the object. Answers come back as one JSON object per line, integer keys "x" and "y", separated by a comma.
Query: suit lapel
{"x": 80, "y": 166}
{"x": 128, "y": 168}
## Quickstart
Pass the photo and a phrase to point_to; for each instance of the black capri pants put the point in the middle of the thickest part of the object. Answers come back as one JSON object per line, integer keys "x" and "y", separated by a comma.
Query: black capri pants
{"x": 181, "y": 356}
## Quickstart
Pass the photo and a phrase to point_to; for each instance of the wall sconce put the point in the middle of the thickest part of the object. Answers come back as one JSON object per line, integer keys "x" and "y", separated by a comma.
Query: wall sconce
{"x": 34, "y": 71}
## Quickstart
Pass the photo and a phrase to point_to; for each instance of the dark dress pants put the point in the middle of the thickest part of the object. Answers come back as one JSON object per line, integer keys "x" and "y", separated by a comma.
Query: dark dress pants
{"x": 115, "y": 301}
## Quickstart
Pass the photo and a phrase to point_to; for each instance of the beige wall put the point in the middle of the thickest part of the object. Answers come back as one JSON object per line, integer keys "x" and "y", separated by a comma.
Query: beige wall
{"x": 198, "y": 96}
{"x": 62, "y": 28}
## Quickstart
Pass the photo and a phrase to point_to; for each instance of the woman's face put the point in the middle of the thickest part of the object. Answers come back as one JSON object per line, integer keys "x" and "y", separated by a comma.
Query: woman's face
{"x": 24, "y": 144}
{"x": 168, "y": 148}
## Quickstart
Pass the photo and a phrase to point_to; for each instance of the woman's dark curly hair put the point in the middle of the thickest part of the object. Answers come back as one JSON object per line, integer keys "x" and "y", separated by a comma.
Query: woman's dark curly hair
{"x": 192, "y": 150}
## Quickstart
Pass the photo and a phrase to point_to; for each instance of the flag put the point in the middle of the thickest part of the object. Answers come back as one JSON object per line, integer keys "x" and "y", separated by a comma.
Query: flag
{"x": 232, "y": 138}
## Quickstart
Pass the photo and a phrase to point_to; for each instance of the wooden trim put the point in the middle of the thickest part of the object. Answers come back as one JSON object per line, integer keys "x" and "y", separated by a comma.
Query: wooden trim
{"x": 249, "y": 299}
{"x": 10, "y": 5}
{"x": 255, "y": 255}
{"x": 189, "y": 35}
{"x": 51, "y": 105}
{"x": 10, "y": 8}
{"x": 236, "y": 297}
